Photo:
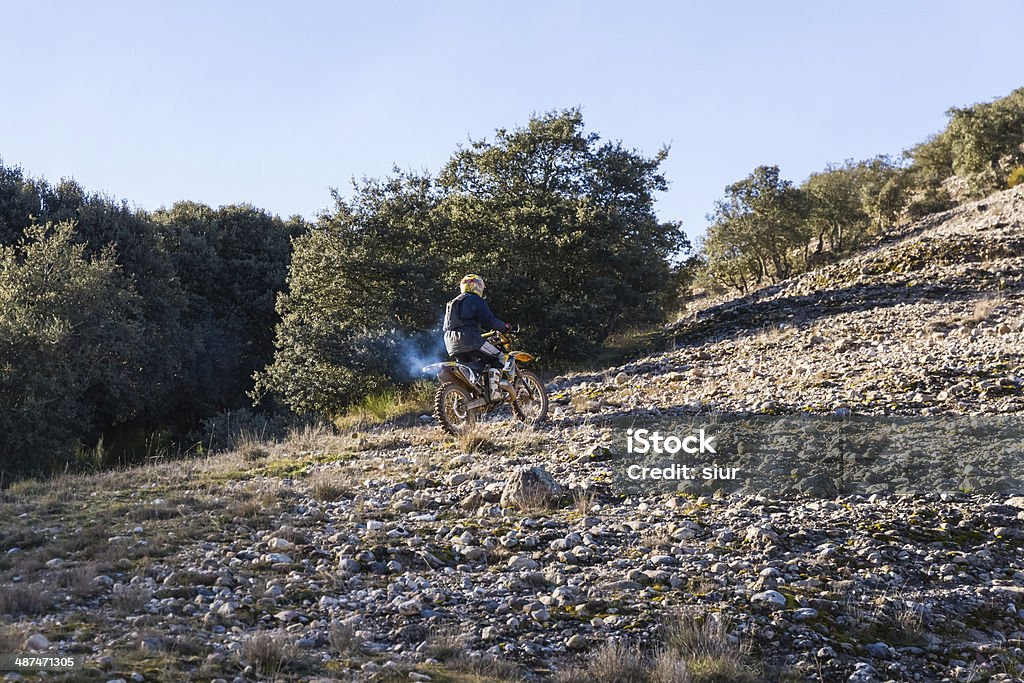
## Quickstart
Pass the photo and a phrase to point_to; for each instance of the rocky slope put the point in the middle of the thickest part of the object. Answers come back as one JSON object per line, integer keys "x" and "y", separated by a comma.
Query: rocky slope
{"x": 395, "y": 553}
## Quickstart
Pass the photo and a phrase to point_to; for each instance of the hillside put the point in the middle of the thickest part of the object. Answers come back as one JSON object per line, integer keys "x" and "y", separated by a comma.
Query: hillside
{"x": 395, "y": 553}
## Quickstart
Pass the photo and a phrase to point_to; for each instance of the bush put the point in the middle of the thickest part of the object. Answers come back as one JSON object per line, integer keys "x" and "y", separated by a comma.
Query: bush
{"x": 1016, "y": 177}
{"x": 161, "y": 320}
{"x": 72, "y": 330}
{"x": 986, "y": 141}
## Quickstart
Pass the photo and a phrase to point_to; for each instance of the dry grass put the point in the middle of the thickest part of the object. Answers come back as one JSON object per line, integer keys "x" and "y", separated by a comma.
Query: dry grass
{"x": 12, "y": 638}
{"x": 536, "y": 500}
{"x": 130, "y": 598}
{"x": 703, "y": 643}
{"x": 24, "y": 489}
{"x": 657, "y": 537}
{"x": 777, "y": 334}
{"x": 316, "y": 438}
{"x": 909, "y": 619}
{"x": 394, "y": 406}
{"x": 983, "y": 309}
{"x": 17, "y": 599}
{"x": 251, "y": 448}
{"x": 421, "y": 463}
{"x": 694, "y": 650}
{"x": 445, "y": 643}
{"x": 668, "y": 668}
{"x": 517, "y": 439}
{"x": 580, "y": 402}
{"x": 344, "y": 640}
{"x": 693, "y": 636}
{"x": 715, "y": 669}
{"x": 181, "y": 645}
{"x": 583, "y": 500}
{"x": 246, "y": 509}
{"x": 486, "y": 667}
{"x": 271, "y": 653}
{"x": 477, "y": 439}
{"x": 332, "y": 483}
{"x": 76, "y": 581}
{"x": 613, "y": 662}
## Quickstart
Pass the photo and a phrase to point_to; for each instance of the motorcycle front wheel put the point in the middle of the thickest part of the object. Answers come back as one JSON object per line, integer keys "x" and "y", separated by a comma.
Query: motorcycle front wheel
{"x": 451, "y": 408}
{"x": 531, "y": 403}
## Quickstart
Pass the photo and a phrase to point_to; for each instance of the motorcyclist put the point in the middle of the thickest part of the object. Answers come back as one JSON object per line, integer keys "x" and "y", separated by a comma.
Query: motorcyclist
{"x": 466, "y": 317}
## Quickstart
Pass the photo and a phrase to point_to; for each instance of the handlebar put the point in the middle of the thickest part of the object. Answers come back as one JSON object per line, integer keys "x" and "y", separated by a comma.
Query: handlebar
{"x": 500, "y": 333}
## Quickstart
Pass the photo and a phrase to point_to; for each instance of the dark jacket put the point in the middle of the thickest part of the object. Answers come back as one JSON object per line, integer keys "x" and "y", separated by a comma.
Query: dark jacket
{"x": 466, "y": 317}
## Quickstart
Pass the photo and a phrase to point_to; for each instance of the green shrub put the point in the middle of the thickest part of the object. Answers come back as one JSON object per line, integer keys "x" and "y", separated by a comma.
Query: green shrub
{"x": 1016, "y": 177}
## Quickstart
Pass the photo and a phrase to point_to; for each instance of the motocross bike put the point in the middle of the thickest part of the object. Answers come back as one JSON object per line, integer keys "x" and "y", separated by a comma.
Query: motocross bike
{"x": 463, "y": 395}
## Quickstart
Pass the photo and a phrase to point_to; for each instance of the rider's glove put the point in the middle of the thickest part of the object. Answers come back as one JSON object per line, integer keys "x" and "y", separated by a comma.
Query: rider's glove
{"x": 509, "y": 327}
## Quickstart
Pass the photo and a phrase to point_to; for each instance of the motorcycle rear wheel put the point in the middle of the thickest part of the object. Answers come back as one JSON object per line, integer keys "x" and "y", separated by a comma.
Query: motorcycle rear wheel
{"x": 450, "y": 408}
{"x": 531, "y": 403}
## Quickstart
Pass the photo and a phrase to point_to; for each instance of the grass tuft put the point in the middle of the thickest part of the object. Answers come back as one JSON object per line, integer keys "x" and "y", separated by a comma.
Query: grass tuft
{"x": 476, "y": 440}
{"x": 130, "y": 598}
{"x": 331, "y": 484}
{"x": 271, "y": 653}
{"x": 17, "y": 598}
{"x": 344, "y": 640}
{"x": 11, "y": 638}
{"x": 613, "y": 662}
{"x": 392, "y": 405}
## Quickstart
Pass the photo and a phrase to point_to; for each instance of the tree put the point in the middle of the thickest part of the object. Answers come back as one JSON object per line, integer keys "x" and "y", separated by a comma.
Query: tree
{"x": 230, "y": 263}
{"x": 19, "y": 199}
{"x": 71, "y": 343}
{"x": 564, "y": 228}
{"x": 849, "y": 201}
{"x": 561, "y": 225}
{"x": 204, "y": 283}
{"x": 836, "y": 212}
{"x": 759, "y": 229}
{"x": 931, "y": 161}
{"x": 129, "y": 237}
{"x": 986, "y": 141}
{"x": 365, "y": 285}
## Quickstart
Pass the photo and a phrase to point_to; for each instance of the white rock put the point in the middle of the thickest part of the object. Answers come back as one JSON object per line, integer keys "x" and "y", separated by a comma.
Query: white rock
{"x": 277, "y": 558}
{"x": 770, "y": 597}
{"x": 577, "y": 642}
{"x": 522, "y": 562}
{"x": 36, "y": 642}
{"x": 409, "y": 608}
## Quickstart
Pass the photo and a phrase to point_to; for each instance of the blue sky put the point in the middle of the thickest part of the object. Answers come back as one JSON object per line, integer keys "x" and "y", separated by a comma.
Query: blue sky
{"x": 274, "y": 103}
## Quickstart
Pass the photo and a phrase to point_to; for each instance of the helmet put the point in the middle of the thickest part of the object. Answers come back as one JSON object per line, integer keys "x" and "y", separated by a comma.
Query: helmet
{"x": 473, "y": 284}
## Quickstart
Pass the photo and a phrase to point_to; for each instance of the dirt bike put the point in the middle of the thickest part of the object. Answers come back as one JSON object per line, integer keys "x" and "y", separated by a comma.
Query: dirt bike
{"x": 463, "y": 395}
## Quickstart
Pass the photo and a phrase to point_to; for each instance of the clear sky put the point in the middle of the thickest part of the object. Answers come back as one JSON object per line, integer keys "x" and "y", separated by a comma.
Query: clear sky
{"x": 273, "y": 103}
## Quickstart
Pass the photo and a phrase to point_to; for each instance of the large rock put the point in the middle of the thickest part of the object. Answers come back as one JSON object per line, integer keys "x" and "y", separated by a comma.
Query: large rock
{"x": 36, "y": 642}
{"x": 531, "y": 487}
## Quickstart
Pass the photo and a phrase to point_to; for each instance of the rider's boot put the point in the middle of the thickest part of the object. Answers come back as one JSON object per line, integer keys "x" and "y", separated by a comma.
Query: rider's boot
{"x": 494, "y": 380}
